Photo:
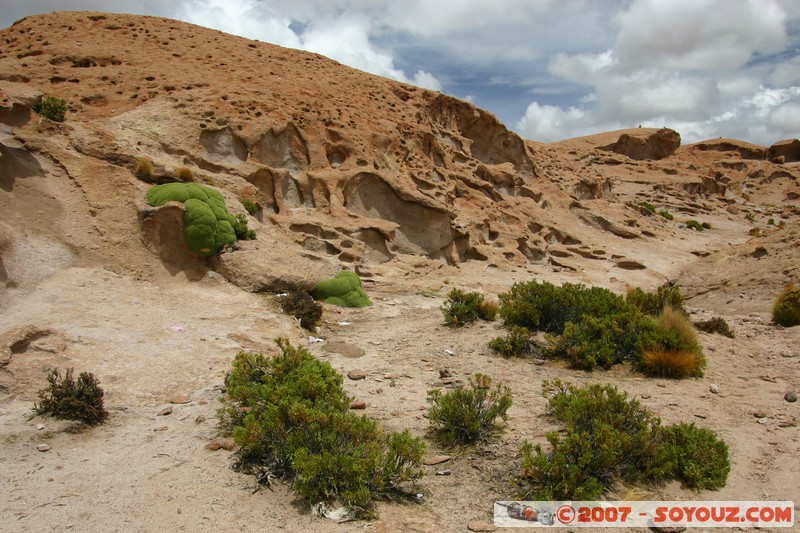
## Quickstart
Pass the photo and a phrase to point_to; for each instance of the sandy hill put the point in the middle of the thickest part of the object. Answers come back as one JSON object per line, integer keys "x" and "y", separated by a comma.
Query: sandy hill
{"x": 415, "y": 190}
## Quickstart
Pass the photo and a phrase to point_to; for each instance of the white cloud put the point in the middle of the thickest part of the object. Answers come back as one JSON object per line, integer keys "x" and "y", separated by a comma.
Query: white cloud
{"x": 549, "y": 123}
{"x": 786, "y": 119}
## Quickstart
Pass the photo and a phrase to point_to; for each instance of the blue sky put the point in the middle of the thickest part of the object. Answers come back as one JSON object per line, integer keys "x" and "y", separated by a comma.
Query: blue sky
{"x": 548, "y": 69}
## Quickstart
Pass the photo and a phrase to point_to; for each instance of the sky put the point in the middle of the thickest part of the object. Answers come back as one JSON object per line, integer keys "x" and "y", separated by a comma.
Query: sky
{"x": 548, "y": 69}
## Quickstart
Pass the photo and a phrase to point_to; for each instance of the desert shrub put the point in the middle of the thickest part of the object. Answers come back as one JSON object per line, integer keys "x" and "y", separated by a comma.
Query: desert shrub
{"x": 184, "y": 174}
{"x": 677, "y": 353}
{"x": 51, "y": 107}
{"x": 144, "y": 169}
{"x": 516, "y": 343}
{"x": 243, "y": 233}
{"x": 466, "y": 414}
{"x": 649, "y": 207}
{"x": 545, "y": 307}
{"x": 344, "y": 290}
{"x": 705, "y": 225}
{"x": 684, "y": 336}
{"x": 463, "y": 308}
{"x": 695, "y": 225}
{"x": 786, "y": 310}
{"x": 289, "y": 415}
{"x": 250, "y": 207}
{"x": 604, "y": 340}
{"x": 608, "y": 438}
{"x": 64, "y": 397}
{"x": 652, "y": 303}
{"x": 750, "y": 217}
{"x": 667, "y": 215}
{"x": 699, "y": 458}
{"x": 302, "y": 306}
{"x": 715, "y": 325}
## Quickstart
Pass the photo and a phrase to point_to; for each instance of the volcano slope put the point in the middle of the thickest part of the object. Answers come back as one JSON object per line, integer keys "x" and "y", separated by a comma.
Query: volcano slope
{"x": 416, "y": 191}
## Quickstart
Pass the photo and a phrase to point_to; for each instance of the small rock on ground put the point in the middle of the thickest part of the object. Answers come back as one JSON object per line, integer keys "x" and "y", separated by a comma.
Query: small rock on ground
{"x": 165, "y": 411}
{"x": 221, "y": 444}
{"x": 790, "y": 396}
{"x": 480, "y": 527}
{"x": 356, "y": 374}
{"x": 180, "y": 399}
{"x": 436, "y": 459}
{"x": 43, "y": 447}
{"x": 358, "y": 404}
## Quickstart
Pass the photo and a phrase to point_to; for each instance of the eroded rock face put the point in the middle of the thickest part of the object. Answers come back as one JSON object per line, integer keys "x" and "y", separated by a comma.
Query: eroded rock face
{"x": 658, "y": 145}
{"x": 788, "y": 151}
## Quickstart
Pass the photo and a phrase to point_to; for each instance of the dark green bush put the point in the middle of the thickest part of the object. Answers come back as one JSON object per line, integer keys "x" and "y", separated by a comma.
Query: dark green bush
{"x": 653, "y": 303}
{"x": 695, "y": 225}
{"x": 649, "y": 207}
{"x": 609, "y": 438}
{"x": 463, "y": 308}
{"x": 250, "y": 207}
{"x": 51, "y": 107}
{"x": 465, "y": 414}
{"x": 72, "y": 400}
{"x": 516, "y": 343}
{"x": 241, "y": 230}
{"x": 666, "y": 214}
{"x": 289, "y": 414}
{"x": 715, "y": 325}
{"x": 699, "y": 459}
{"x": 786, "y": 310}
{"x": 302, "y": 306}
{"x": 545, "y": 307}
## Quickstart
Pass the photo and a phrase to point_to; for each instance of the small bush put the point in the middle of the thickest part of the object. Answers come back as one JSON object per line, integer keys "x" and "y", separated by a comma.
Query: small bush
{"x": 241, "y": 230}
{"x": 515, "y": 344}
{"x": 750, "y": 217}
{"x": 250, "y": 207}
{"x": 699, "y": 459}
{"x": 344, "y": 290}
{"x": 715, "y": 325}
{"x": 290, "y": 416}
{"x": 649, "y": 207}
{"x": 184, "y": 174}
{"x": 706, "y": 225}
{"x": 674, "y": 321}
{"x": 608, "y": 438}
{"x": 463, "y": 308}
{"x": 464, "y": 415}
{"x": 667, "y": 215}
{"x": 302, "y": 306}
{"x": 144, "y": 170}
{"x": 653, "y": 303}
{"x": 51, "y": 107}
{"x": 786, "y": 310}
{"x": 695, "y": 225}
{"x": 72, "y": 400}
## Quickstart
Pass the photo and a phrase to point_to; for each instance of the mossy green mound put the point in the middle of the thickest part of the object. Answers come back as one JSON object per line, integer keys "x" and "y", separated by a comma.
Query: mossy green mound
{"x": 207, "y": 224}
{"x": 344, "y": 290}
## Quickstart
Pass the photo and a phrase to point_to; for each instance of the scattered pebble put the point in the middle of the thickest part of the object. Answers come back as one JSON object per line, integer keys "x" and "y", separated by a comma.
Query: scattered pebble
{"x": 180, "y": 399}
{"x": 645, "y": 395}
{"x": 162, "y": 428}
{"x": 449, "y": 352}
{"x": 713, "y": 388}
{"x": 357, "y": 374}
{"x": 435, "y": 460}
{"x": 39, "y": 427}
{"x": 43, "y": 447}
{"x": 200, "y": 419}
{"x": 165, "y": 411}
{"x": 760, "y": 414}
{"x": 221, "y": 444}
{"x": 790, "y": 396}
{"x": 358, "y": 404}
{"x": 482, "y": 527}
{"x": 763, "y": 420}
{"x": 445, "y": 373}
{"x": 444, "y": 472}
{"x": 539, "y": 362}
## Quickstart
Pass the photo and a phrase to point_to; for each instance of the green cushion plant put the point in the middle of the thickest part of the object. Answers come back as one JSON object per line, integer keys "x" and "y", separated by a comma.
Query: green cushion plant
{"x": 207, "y": 224}
{"x": 344, "y": 290}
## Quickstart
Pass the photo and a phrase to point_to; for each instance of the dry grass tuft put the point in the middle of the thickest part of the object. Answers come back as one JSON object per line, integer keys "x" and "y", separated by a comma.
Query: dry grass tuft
{"x": 674, "y": 320}
{"x": 184, "y": 174}
{"x": 670, "y": 363}
{"x": 144, "y": 169}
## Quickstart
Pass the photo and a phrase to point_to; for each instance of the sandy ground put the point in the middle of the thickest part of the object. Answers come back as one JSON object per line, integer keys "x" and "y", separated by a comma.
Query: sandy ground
{"x": 142, "y": 471}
